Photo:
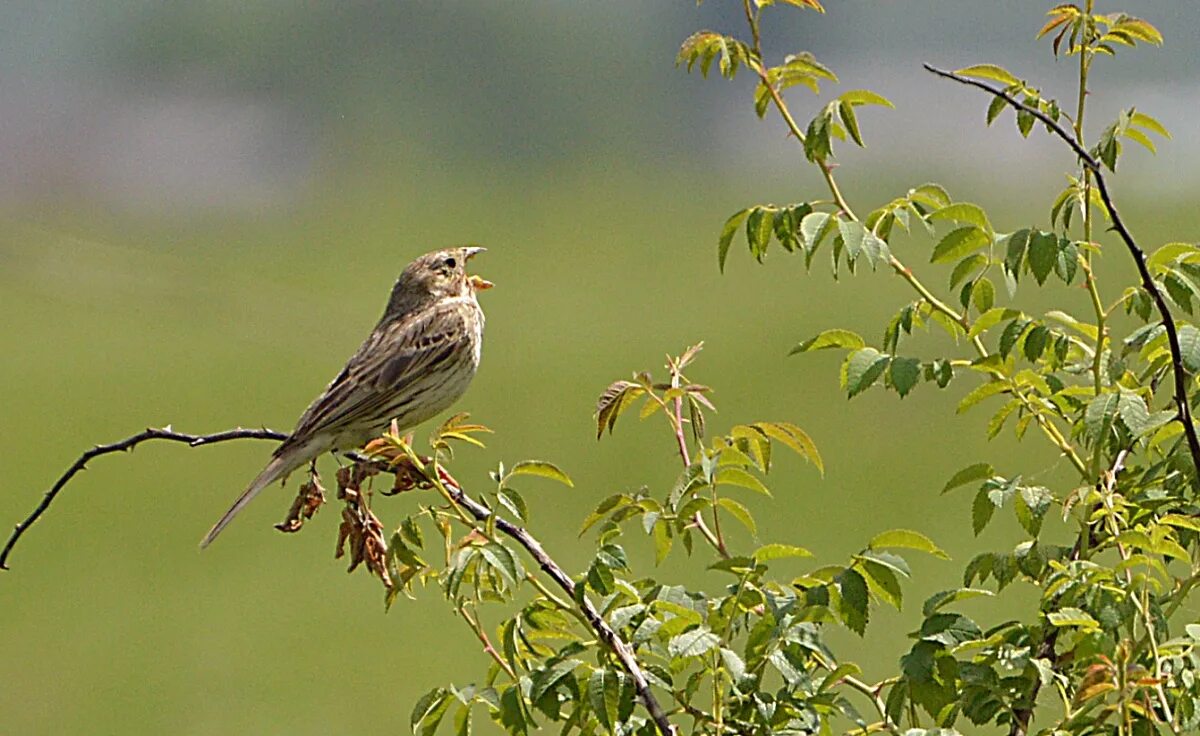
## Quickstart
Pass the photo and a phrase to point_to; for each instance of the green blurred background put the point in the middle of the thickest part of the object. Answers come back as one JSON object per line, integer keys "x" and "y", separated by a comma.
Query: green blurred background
{"x": 205, "y": 204}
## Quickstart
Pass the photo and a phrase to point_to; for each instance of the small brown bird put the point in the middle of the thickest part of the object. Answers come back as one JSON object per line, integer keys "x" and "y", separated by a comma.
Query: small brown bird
{"x": 416, "y": 362}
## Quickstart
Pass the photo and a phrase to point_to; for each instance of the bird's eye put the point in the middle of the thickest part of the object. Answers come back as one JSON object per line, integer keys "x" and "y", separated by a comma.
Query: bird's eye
{"x": 451, "y": 263}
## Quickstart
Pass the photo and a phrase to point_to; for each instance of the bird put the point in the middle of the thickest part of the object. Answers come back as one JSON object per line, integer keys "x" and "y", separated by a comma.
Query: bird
{"x": 415, "y": 364}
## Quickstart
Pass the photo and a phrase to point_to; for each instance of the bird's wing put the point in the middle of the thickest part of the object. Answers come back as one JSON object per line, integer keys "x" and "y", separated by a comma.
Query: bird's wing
{"x": 386, "y": 364}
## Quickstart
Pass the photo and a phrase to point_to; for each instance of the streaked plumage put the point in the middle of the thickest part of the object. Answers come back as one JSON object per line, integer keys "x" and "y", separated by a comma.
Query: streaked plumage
{"x": 416, "y": 362}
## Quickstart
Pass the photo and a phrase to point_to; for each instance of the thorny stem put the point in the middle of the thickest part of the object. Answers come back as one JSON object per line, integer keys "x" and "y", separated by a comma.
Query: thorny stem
{"x": 473, "y": 623}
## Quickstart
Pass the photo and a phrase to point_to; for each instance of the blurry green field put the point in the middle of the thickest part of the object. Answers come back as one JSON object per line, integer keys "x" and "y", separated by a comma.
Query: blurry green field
{"x": 111, "y": 621}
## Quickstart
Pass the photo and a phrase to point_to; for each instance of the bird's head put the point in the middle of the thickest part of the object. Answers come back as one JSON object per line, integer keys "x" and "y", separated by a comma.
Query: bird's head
{"x": 437, "y": 275}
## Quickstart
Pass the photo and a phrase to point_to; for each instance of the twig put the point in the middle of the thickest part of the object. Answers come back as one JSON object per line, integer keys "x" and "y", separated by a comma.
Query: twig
{"x": 166, "y": 433}
{"x": 1139, "y": 256}
{"x": 481, "y": 513}
{"x": 490, "y": 650}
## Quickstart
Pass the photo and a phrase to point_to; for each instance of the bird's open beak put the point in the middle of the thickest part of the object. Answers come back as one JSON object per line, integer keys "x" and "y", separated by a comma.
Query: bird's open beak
{"x": 478, "y": 283}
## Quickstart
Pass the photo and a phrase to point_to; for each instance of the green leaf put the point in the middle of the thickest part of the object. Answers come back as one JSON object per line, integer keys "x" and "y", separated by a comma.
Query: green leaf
{"x": 958, "y": 243}
{"x": 887, "y": 559}
{"x": 1043, "y": 250}
{"x": 604, "y": 695}
{"x": 1189, "y": 348}
{"x": 739, "y": 512}
{"x": 1100, "y": 414}
{"x": 850, "y": 120}
{"x": 940, "y": 600}
{"x": 727, "y": 232}
{"x": 544, "y": 680}
{"x": 983, "y": 296}
{"x": 883, "y": 582}
{"x": 853, "y": 601}
{"x": 964, "y": 212}
{"x": 510, "y": 499}
{"x": 769, "y": 552}
{"x": 980, "y": 393}
{"x": 1073, "y": 617}
{"x": 1031, "y": 505}
{"x": 1035, "y": 342}
{"x": 815, "y": 227}
{"x": 759, "y": 226}
{"x": 794, "y": 438}
{"x": 864, "y": 366}
{"x": 427, "y": 714}
{"x": 693, "y": 642}
{"x": 732, "y": 475}
{"x": 907, "y": 539}
{"x": 905, "y": 374}
{"x": 866, "y": 97}
{"x": 933, "y": 195}
{"x": 830, "y": 339}
{"x": 978, "y": 471}
{"x": 504, "y": 561}
{"x": 982, "y": 510}
{"x": 989, "y": 71}
{"x": 541, "y": 468}
{"x": 1183, "y": 522}
{"x": 966, "y": 266}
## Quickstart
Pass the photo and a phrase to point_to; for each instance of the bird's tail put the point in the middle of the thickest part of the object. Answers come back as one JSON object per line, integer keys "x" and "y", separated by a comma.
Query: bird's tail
{"x": 280, "y": 465}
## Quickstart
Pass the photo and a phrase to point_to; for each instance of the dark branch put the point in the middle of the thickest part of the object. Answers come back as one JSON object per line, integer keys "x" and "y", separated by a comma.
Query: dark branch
{"x": 166, "y": 433}
{"x": 611, "y": 638}
{"x": 1182, "y": 406}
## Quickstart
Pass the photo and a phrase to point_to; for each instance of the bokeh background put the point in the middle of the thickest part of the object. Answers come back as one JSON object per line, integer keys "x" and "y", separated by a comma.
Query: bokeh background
{"x": 203, "y": 206}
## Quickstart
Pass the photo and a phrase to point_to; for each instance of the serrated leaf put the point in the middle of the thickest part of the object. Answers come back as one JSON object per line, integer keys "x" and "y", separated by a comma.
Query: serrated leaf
{"x": 1073, "y": 617}
{"x": 958, "y": 243}
{"x": 1043, "y": 250}
{"x": 989, "y": 71}
{"x": 907, "y": 539}
{"x": 727, "y": 233}
{"x": 1189, "y": 348}
{"x": 814, "y": 228}
{"x": 964, "y": 212}
{"x": 978, "y": 471}
{"x": 981, "y": 392}
{"x": 542, "y": 469}
{"x": 604, "y": 695}
{"x": 982, "y": 510}
{"x": 944, "y": 598}
{"x": 793, "y": 438}
{"x": 427, "y": 714}
{"x": 510, "y": 499}
{"x": 883, "y": 582}
{"x": 863, "y": 368}
{"x": 865, "y": 97}
{"x": 732, "y": 475}
{"x": 739, "y": 512}
{"x": 769, "y": 552}
{"x": 830, "y": 339}
{"x": 693, "y": 642}
{"x": 1100, "y": 414}
{"x": 853, "y": 600}
{"x": 905, "y": 374}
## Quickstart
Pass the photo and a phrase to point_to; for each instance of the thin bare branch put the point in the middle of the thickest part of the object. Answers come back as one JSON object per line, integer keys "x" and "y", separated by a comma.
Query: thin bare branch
{"x": 1182, "y": 406}
{"x": 166, "y": 433}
